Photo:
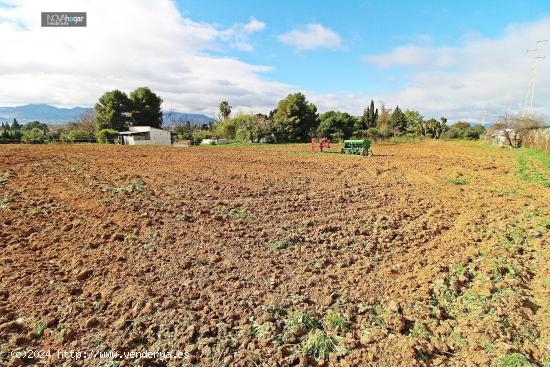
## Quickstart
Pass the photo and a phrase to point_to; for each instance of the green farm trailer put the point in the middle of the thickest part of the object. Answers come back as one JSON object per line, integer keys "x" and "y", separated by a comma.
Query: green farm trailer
{"x": 360, "y": 147}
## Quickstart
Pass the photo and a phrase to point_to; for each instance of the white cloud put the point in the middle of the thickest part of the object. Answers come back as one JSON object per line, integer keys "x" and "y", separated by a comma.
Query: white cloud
{"x": 413, "y": 55}
{"x": 480, "y": 77}
{"x": 127, "y": 44}
{"x": 311, "y": 36}
{"x": 237, "y": 35}
{"x": 254, "y": 25}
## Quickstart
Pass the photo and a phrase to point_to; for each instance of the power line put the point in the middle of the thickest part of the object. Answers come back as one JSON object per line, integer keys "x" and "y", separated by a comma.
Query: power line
{"x": 530, "y": 96}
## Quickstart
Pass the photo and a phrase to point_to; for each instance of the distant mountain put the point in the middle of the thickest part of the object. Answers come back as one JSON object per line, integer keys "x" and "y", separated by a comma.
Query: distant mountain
{"x": 55, "y": 115}
{"x": 40, "y": 112}
{"x": 175, "y": 118}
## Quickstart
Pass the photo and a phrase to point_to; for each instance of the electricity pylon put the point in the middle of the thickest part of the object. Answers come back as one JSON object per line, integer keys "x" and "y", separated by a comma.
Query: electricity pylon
{"x": 530, "y": 96}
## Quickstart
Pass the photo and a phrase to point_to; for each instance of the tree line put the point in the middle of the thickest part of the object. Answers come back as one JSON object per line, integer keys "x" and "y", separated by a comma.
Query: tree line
{"x": 36, "y": 132}
{"x": 295, "y": 119}
{"x": 115, "y": 111}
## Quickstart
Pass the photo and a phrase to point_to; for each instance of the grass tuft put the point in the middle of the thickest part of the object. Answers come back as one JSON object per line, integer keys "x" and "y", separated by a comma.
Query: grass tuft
{"x": 458, "y": 181}
{"x": 514, "y": 360}
{"x": 529, "y": 173}
{"x": 319, "y": 344}
{"x": 39, "y": 328}
{"x": 419, "y": 331}
{"x": 302, "y": 318}
{"x": 279, "y": 245}
{"x": 134, "y": 187}
{"x": 335, "y": 321}
{"x": 238, "y": 213}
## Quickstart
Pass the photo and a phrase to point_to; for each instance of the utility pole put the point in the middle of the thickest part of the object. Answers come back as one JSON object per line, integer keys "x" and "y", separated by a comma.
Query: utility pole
{"x": 530, "y": 96}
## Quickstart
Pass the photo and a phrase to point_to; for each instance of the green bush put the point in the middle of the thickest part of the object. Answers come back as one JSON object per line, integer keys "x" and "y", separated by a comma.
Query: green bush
{"x": 474, "y": 132}
{"x": 107, "y": 135}
{"x": 34, "y": 136}
{"x": 373, "y": 133}
{"x": 243, "y": 128}
{"x": 72, "y": 136}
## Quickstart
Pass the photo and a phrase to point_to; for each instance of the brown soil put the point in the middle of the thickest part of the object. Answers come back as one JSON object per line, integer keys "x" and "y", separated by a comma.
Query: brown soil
{"x": 269, "y": 255}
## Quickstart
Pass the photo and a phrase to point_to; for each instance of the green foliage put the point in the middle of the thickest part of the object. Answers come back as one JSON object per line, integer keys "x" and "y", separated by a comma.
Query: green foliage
{"x": 227, "y": 129}
{"x": 16, "y": 125}
{"x": 34, "y": 136}
{"x": 295, "y": 118}
{"x": 145, "y": 108}
{"x": 528, "y": 172}
{"x": 260, "y": 331}
{"x": 415, "y": 122}
{"x": 514, "y": 360}
{"x": 39, "y": 328}
{"x": 244, "y": 128}
{"x": 199, "y": 135}
{"x": 35, "y": 125}
{"x": 463, "y": 130}
{"x": 319, "y": 344}
{"x": 185, "y": 130}
{"x": 335, "y": 321}
{"x": 302, "y": 318}
{"x": 72, "y": 136}
{"x": 399, "y": 121}
{"x": 458, "y": 181}
{"x": 279, "y": 245}
{"x": 107, "y": 135}
{"x": 434, "y": 128}
{"x": 474, "y": 132}
{"x": 239, "y": 213}
{"x": 373, "y": 133}
{"x": 225, "y": 110}
{"x": 419, "y": 330}
{"x": 368, "y": 120}
{"x": 332, "y": 123}
{"x": 112, "y": 111}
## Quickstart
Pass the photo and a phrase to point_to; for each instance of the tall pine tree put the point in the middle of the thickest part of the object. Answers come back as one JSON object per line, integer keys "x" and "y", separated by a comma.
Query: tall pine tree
{"x": 399, "y": 121}
{"x": 370, "y": 115}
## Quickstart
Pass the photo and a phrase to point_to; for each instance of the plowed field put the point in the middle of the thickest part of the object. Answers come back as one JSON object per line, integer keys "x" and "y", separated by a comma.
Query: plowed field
{"x": 433, "y": 253}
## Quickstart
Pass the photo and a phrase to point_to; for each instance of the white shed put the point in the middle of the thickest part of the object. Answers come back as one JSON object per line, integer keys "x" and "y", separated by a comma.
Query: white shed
{"x": 146, "y": 135}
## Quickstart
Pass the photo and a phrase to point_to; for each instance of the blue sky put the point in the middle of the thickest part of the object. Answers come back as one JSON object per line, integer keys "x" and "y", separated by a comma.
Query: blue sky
{"x": 459, "y": 59}
{"x": 366, "y": 27}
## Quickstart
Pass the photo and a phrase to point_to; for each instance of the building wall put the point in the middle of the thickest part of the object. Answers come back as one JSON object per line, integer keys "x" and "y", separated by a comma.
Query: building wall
{"x": 158, "y": 137}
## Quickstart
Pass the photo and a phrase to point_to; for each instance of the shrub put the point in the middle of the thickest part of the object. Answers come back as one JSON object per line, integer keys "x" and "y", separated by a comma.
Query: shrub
{"x": 199, "y": 135}
{"x": 373, "y": 133}
{"x": 34, "y": 136}
{"x": 107, "y": 136}
{"x": 244, "y": 128}
{"x": 75, "y": 136}
{"x": 452, "y": 133}
{"x": 474, "y": 132}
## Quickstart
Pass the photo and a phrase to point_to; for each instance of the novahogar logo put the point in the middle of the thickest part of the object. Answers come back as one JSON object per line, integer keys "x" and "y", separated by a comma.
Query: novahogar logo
{"x": 63, "y": 19}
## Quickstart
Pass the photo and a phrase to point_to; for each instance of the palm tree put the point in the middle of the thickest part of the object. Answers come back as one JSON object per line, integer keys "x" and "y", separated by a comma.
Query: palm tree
{"x": 225, "y": 109}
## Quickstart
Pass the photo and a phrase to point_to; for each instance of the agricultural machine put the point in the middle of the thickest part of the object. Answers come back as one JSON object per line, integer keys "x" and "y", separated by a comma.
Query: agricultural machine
{"x": 321, "y": 144}
{"x": 360, "y": 147}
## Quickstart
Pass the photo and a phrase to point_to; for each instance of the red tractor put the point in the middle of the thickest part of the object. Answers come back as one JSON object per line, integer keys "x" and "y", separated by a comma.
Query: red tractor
{"x": 322, "y": 143}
